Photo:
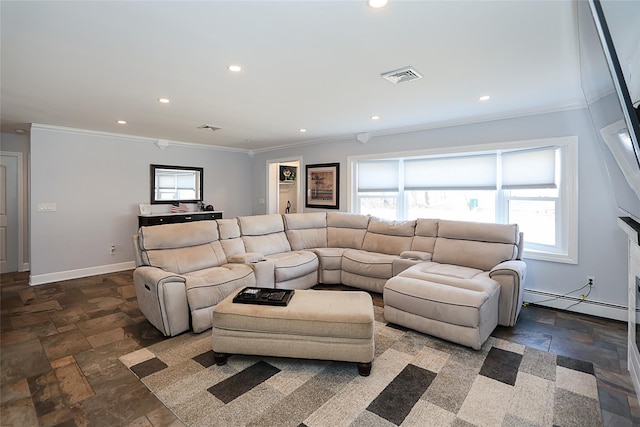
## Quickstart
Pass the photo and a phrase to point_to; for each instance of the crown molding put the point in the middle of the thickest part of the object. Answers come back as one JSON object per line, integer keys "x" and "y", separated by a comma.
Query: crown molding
{"x": 157, "y": 141}
{"x": 344, "y": 137}
{"x": 434, "y": 125}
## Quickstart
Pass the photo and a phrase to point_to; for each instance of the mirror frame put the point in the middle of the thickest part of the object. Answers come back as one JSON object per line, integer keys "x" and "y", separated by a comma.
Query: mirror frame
{"x": 153, "y": 169}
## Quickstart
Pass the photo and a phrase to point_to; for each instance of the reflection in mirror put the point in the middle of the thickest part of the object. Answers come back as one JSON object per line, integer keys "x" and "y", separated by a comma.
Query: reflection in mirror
{"x": 171, "y": 184}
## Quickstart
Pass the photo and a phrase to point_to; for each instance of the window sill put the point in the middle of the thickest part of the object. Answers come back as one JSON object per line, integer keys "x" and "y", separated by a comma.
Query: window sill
{"x": 550, "y": 256}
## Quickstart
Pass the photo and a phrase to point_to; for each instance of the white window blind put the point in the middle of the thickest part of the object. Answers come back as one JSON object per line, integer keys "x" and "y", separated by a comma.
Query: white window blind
{"x": 450, "y": 173}
{"x": 529, "y": 169}
{"x": 378, "y": 175}
{"x": 166, "y": 181}
{"x": 186, "y": 181}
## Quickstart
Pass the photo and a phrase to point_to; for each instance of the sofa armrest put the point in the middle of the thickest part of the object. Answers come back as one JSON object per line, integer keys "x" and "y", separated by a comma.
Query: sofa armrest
{"x": 246, "y": 258}
{"x": 510, "y": 267}
{"x": 511, "y": 276}
{"x": 162, "y": 298}
{"x": 265, "y": 272}
{"x": 416, "y": 255}
{"x": 136, "y": 250}
{"x": 157, "y": 275}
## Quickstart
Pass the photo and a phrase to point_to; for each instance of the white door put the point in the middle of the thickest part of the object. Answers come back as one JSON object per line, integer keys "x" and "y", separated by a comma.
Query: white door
{"x": 8, "y": 214}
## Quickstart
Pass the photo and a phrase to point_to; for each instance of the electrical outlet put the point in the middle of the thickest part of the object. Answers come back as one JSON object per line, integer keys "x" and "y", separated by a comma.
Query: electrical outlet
{"x": 591, "y": 280}
{"x": 112, "y": 249}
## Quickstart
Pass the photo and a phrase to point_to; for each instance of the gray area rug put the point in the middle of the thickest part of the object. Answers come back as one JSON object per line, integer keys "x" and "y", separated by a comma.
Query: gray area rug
{"x": 416, "y": 380}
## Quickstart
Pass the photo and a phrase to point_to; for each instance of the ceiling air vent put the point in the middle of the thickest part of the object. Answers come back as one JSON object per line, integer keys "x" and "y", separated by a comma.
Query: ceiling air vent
{"x": 402, "y": 75}
{"x": 210, "y": 127}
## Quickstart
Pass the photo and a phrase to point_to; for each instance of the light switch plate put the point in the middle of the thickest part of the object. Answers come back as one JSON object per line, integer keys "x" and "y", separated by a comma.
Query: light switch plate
{"x": 46, "y": 207}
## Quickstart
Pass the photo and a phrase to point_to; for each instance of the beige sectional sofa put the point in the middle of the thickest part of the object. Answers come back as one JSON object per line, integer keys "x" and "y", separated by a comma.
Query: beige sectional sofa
{"x": 452, "y": 279}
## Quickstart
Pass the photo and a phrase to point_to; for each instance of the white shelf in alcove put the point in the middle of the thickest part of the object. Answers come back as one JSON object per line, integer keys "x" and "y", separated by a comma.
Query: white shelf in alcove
{"x": 287, "y": 182}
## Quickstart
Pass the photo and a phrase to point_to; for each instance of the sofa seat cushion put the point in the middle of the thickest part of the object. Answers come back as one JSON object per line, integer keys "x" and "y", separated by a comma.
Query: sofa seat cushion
{"x": 294, "y": 264}
{"x": 368, "y": 264}
{"x": 330, "y": 258}
{"x": 440, "y": 272}
{"x": 454, "y": 304}
{"x": 207, "y": 287}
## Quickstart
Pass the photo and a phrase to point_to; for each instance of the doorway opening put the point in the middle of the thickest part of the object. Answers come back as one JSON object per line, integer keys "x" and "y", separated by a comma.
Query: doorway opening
{"x": 11, "y": 213}
{"x": 283, "y": 192}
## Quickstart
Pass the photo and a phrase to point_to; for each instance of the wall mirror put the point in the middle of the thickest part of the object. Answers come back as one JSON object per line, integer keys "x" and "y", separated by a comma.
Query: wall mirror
{"x": 171, "y": 184}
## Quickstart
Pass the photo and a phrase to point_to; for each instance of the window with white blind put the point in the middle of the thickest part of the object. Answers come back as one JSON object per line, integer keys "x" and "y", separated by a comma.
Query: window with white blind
{"x": 529, "y": 183}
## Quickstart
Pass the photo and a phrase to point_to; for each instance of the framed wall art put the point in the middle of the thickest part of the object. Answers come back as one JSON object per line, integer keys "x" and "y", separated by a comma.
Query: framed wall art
{"x": 323, "y": 186}
{"x": 288, "y": 173}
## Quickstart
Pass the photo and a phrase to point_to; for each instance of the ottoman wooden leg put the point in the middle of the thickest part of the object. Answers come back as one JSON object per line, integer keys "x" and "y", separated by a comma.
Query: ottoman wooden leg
{"x": 220, "y": 358}
{"x": 364, "y": 369}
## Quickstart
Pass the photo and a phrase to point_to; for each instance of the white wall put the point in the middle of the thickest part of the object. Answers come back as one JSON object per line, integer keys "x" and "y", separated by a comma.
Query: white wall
{"x": 602, "y": 249}
{"x": 97, "y": 181}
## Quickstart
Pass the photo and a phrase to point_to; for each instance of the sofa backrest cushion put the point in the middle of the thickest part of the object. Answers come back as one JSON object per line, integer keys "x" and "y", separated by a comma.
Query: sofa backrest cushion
{"x": 346, "y": 230}
{"x": 426, "y": 234}
{"x": 389, "y": 237}
{"x": 230, "y": 239}
{"x": 264, "y": 234}
{"x": 171, "y": 236}
{"x": 306, "y": 230}
{"x": 181, "y": 248}
{"x": 476, "y": 245}
{"x": 228, "y": 228}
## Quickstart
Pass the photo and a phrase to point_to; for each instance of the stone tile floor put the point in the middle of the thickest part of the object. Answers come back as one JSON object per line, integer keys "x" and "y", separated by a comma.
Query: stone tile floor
{"x": 60, "y": 343}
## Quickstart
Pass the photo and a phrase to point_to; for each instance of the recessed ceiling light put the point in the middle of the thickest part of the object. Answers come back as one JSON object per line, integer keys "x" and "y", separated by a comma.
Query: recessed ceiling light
{"x": 484, "y": 98}
{"x": 375, "y": 117}
{"x": 303, "y": 130}
{"x": 377, "y": 4}
{"x": 235, "y": 68}
{"x": 163, "y": 100}
{"x": 122, "y": 122}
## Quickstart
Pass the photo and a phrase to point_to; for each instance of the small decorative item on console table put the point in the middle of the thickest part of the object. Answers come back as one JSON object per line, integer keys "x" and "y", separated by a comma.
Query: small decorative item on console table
{"x": 172, "y": 218}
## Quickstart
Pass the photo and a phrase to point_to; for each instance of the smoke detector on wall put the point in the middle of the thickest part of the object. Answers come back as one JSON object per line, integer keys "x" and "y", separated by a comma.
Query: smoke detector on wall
{"x": 406, "y": 74}
{"x": 209, "y": 127}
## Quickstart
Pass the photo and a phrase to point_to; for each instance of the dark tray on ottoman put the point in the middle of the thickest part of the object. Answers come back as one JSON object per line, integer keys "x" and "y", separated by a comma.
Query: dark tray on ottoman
{"x": 264, "y": 296}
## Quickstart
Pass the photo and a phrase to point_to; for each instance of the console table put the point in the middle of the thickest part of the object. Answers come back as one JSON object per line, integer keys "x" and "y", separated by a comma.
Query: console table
{"x": 172, "y": 218}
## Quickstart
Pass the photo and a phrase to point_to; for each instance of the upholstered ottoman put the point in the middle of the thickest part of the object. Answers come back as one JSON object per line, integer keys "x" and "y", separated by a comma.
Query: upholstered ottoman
{"x": 327, "y": 325}
{"x": 462, "y": 311}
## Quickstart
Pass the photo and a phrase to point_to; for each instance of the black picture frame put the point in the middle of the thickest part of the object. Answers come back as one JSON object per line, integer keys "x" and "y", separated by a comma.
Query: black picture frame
{"x": 322, "y": 186}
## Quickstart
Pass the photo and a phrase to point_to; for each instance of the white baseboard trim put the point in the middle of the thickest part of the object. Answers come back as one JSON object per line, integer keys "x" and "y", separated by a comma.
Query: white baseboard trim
{"x": 25, "y": 267}
{"x": 41, "y": 279}
{"x": 590, "y": 307}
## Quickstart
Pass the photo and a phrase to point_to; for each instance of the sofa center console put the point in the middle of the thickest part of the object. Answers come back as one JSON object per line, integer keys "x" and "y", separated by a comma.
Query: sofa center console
{"x": 174, "y": 218}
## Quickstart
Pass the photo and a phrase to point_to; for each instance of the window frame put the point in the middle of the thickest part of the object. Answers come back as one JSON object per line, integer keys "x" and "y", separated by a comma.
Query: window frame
{"x": 566, "y": 248}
